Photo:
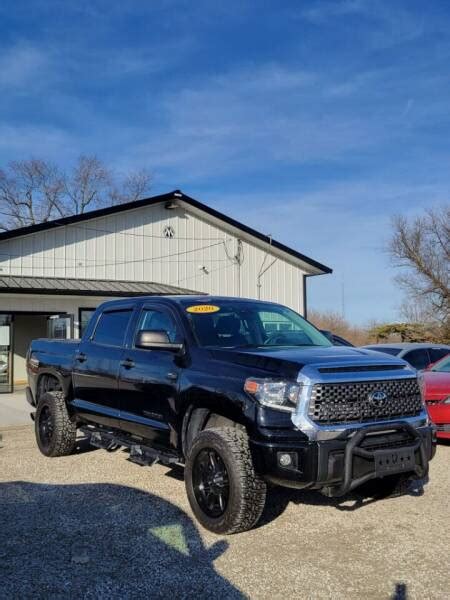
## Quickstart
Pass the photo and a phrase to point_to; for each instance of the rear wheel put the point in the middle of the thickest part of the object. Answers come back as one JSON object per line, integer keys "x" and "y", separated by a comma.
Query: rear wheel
{"x": 224, "y": 491}
{"x": 55, "y": 432}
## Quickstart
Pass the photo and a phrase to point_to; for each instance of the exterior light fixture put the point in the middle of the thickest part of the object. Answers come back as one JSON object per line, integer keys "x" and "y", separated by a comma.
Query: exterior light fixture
{"x": 170, "y": 205}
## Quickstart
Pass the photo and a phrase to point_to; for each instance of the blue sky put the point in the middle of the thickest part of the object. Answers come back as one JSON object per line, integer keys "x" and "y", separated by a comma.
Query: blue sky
{"x": 311, "y": 121}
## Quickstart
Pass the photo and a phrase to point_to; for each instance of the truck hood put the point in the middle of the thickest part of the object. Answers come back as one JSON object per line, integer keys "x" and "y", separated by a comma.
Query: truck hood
{"x": 289, "y": 361}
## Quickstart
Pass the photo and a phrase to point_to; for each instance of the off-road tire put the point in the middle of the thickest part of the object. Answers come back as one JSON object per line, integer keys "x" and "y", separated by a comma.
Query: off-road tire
{"x": 247, "y": 490}
{"x": 63, "y": 438}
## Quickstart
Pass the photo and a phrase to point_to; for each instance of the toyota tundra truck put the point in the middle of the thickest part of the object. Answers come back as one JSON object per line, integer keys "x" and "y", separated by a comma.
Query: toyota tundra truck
{"x": 241, "y": 393}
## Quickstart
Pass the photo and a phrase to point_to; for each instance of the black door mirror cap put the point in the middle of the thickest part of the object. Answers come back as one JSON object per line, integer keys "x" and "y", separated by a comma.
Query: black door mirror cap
{"x": 156, "y": 340}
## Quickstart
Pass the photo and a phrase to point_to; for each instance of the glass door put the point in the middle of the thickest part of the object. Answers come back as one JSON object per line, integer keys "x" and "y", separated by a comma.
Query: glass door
{"x": 60, "y": 327}
{"x": 6, "y": 371}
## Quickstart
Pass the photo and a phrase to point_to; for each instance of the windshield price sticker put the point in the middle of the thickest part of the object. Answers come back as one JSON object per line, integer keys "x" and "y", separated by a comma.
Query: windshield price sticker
{"x": 203, "y": 308}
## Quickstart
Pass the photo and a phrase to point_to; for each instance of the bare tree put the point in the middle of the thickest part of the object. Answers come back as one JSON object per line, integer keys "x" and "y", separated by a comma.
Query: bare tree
{"x": 335, "y": 322}
{"x": 34, "y": 191}
{"x": 87, "y": 186}
{"x": 135, "y": 185}
{"x": 421, "y": 247}
{"x": 30, "y": 192}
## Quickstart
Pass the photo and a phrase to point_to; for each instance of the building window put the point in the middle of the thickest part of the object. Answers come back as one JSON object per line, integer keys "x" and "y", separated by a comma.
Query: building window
{"x": 60, "y": 327}
{"x": 5, "y": 353}
{"x": 84, "y": 316}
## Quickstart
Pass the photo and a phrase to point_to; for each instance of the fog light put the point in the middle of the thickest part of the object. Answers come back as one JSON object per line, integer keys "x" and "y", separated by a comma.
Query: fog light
{"x": 285, "y": 460}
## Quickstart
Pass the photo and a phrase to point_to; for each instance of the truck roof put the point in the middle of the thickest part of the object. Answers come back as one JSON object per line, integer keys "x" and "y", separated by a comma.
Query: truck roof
{"x": 178, "y": 299}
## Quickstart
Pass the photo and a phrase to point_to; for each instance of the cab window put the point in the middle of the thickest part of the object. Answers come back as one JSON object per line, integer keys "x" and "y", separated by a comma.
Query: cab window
{"x": 157, "y": 320}
{"x": 418, "y": 359}
{"x": 111, "y": 327}
{"x": 238, "y": 324}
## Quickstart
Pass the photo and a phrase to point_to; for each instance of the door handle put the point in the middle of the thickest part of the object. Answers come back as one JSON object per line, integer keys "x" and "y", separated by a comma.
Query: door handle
{"x": 127, "y": 363}
{"x": 81, "y": 357}
{"x": 172, "y": 376}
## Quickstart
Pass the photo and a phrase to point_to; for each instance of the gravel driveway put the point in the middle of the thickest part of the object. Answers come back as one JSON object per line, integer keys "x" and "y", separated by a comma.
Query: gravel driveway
{"x": 93, "y": 525}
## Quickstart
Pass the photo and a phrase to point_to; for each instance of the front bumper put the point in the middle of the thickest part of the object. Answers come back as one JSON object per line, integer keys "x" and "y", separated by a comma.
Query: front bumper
{"x": 29, "y": 396}
{"x": 440, "y": 415}
{"x": 340, "y": 465}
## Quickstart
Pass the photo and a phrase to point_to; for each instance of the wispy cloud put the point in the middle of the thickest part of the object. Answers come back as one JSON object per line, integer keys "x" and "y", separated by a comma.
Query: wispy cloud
{"x": 270, "y": 113}
{"x": 249, "y": 115}
{"x": 22, "y": 65}
{"x": 392, "y": 23}
{"x": 319, "y": 12}
{"x": 23, "y": 141}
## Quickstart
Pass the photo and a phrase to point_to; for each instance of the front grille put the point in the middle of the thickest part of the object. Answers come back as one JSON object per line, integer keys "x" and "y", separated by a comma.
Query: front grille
{"x": 351, "y": 402}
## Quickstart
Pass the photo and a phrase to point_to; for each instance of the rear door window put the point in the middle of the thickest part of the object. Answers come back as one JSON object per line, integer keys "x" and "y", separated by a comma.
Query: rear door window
{"x": 438, "y": 353}
{"x": 112, "y": 327}
{"x": 418, "y": 358}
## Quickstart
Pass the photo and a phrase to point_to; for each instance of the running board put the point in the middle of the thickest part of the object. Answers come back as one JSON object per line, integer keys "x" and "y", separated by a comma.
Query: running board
{"x": 140, "y": 454}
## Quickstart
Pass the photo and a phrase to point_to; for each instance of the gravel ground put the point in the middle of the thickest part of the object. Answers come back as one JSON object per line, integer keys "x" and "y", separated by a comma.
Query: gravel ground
{"x": 93, "y": 525}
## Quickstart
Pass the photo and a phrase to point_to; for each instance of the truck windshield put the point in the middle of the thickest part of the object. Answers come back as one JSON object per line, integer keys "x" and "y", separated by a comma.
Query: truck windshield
{"x": 235, "y": 324}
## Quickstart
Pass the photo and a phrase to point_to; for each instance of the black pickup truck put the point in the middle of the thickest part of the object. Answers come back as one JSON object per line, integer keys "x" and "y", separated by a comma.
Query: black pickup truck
{"x": 240, "y": 392}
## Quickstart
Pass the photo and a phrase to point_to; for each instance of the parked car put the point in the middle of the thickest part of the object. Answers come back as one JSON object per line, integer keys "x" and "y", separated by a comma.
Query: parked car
{"x": 436, "y": 390}
{"x": 208, "y": 383}
{"x": 335, "y": 339}
{"x": 419, "y": 356}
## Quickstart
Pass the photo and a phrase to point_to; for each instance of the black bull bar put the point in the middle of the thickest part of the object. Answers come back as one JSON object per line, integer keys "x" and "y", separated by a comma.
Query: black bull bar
{"x": 387, "y": 461}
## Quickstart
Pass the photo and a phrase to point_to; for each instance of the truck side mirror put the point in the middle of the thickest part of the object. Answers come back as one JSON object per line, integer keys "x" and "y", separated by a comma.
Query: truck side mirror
{"x": 156, "y": 340}
{"x": 327, "y": 334}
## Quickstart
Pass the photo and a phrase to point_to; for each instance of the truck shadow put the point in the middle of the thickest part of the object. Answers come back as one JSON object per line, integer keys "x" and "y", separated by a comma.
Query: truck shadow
{"x": 102, "y": 540}
{"x": 279, "y": 498}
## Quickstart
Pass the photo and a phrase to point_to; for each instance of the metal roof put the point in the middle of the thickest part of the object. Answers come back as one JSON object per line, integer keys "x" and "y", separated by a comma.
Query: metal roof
{"x": 171, "y": 196}
{"x": 85, "y": 287}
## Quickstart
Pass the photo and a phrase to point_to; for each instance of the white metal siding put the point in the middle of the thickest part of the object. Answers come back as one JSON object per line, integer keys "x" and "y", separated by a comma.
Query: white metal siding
{"x": 130, "y": 245}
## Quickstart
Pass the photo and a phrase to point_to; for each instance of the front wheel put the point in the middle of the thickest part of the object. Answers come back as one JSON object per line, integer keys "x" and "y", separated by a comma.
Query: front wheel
{"x": 55, "y": 432}
{"x": 224, "y": 491}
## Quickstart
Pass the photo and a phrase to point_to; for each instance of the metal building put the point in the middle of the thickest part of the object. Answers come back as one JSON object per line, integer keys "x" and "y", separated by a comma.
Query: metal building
{"x": 53, "y": 275}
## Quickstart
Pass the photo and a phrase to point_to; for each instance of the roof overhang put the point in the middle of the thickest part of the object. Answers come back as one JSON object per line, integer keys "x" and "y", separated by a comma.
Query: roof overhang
{"x": 11, "y": 284}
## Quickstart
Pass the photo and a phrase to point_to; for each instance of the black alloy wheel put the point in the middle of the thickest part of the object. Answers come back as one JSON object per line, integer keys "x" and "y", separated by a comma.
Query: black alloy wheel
{"x": 224, "y": 491}
{"x": 45, "y": 426}
{"x": 211, "y": 482}
{"x": 56, "y": 432}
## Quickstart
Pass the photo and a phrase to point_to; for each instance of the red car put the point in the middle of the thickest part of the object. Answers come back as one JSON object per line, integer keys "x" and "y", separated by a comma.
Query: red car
{"x": 436, "y": 387}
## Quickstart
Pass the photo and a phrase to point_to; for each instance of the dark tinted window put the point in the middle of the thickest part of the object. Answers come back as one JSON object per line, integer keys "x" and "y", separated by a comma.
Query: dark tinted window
{"x": 419, "y": 358}
{"x": 112, "y": 327}
{"x": 393, "y": 351}
{"x": 155, "y": 320}
{"x": 437, "y": 353}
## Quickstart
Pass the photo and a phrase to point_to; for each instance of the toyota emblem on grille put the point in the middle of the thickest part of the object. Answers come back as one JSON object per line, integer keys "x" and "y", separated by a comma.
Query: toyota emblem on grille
{"x": 378, "y": 398}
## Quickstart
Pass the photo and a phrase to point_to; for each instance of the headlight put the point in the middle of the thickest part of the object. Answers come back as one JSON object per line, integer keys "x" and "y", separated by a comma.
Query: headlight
{"x": 276, "y": 393}
{"x": 446, "y": 401}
